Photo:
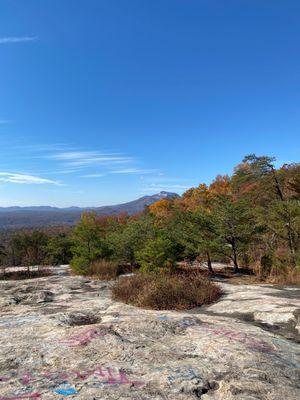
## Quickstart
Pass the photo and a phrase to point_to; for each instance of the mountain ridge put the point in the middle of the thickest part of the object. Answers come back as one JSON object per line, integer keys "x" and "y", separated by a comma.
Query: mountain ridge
{"x": 37, "y": 216}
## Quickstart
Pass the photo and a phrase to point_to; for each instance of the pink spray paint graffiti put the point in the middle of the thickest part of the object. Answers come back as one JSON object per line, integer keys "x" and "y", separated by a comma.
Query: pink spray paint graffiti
{"x": 26, "y": 379}
{"x": 106, "y": 375}
{"x": 120, "y": 379}
{"x": 82, "y": 338}
{"x": 34, "y": 395}
{"x": 251, "y": 343}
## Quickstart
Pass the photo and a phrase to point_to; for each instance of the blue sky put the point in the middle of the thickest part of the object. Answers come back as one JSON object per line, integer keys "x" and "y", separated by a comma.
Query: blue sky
{"x": 102, "y": 101}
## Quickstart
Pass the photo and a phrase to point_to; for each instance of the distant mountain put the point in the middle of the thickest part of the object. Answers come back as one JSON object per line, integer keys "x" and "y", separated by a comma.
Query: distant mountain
{"x": 30, "y": 217}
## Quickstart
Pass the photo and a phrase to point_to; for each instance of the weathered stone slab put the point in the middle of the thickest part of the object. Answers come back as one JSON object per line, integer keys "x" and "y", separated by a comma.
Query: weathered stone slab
{"x": 83, "y": 345}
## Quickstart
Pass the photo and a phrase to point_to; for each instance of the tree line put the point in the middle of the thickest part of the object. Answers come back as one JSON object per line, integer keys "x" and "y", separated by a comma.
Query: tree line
{"x": 251, "y": 218}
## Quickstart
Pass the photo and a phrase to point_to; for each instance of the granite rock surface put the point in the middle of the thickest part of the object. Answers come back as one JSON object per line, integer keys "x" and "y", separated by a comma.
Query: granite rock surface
{"x": 63, "y": 336}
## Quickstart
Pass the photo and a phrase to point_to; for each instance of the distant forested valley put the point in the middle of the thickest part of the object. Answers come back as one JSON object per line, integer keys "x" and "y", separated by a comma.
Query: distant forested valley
{"x": 250, "y": 219}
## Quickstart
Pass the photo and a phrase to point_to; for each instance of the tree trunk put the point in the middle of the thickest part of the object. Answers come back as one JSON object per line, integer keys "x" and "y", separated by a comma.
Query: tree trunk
{"x": 288, "y": 225}
{"x": 277, "y": 185}
{"x": 292, "y": 247}
{"x": 235, "y": 262}
{"x": 209, "y": 263}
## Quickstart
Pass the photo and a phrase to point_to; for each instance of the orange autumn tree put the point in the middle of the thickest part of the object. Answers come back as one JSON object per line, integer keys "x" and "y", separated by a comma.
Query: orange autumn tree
{"x": 195, "y": 198}
{"x": 162, "y": 210}
{"x": 221, "y": 186}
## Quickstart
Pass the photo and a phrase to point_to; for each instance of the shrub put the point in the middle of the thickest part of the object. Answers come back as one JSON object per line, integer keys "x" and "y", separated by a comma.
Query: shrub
{"x": 156, "y": 254}
{"x": 166, "y": 291}
{"x": 24, "y": 274}
{"x": 277, "y": 269}
{"x": 80, "y": 265}
{"x": 284, "y": 276}
{"x": 59, "y": 249}
{"x": 105, "y": 270}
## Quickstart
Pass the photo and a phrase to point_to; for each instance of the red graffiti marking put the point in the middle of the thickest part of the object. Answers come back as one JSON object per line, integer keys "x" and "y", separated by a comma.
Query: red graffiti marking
{"x": 251, "y": 343}
{"x": 83, "y": 338}
{"x": 34, "y": 395}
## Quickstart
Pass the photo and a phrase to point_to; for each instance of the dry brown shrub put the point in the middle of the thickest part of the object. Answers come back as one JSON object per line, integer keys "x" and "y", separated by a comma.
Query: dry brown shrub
{"x": 166, "y": 291}
{"x": 105, "y": 270}
{"x": 24, "y": 274}
{"x": 284, "y": 276}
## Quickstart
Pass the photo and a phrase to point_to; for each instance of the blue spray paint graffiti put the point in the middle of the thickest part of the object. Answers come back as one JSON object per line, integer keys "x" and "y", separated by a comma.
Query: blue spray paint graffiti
{"x": 66, "y": 391}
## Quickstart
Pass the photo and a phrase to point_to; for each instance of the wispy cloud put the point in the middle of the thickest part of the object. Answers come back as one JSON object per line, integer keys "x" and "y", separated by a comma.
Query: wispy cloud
{"x": 154, "y": 188}
{"x": 5, "y": 121}
{"x": 134, "y": 171}
{"x": 17, "y": 39}
{"x": 91, "y": 163}
{"x": 93, "y": 176}
{"x": 82, "y": 159}
{"x": 125, "y": 171}
{"x": 17, "y": 178}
